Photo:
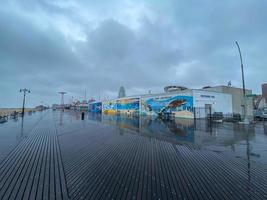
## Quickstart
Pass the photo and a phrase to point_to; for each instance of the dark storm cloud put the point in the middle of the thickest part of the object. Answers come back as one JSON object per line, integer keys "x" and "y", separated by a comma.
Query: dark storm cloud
{"x": 23, "y": 42}
{"x": 98, "y": 46}
{"x": 122, "y": 55}
{"x": 31, "y": 58}
{"x": 211, "y": 28}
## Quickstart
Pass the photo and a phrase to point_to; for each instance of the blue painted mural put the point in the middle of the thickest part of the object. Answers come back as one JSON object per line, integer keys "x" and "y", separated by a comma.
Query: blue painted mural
{"x": 110, "y": 107}
{"x": 128, "y": 106}
{"x": 95, "y": 107}
{"x": 121, "y": 106}
{"x": 180, "y": 106}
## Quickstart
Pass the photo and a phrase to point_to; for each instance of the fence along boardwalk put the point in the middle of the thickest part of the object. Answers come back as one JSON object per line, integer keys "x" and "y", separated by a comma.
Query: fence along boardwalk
{"x": 33, "y": 170}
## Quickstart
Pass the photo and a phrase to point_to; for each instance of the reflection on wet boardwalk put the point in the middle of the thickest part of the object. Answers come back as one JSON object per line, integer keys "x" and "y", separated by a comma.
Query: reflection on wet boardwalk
{"x": 33, "y": 170}
{"x": 66, "y": 158}
{"x": 132, "y": 167}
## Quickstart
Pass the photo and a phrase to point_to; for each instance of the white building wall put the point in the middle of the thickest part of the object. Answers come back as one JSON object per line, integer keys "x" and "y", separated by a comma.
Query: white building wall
{"x": 220, "y": 102}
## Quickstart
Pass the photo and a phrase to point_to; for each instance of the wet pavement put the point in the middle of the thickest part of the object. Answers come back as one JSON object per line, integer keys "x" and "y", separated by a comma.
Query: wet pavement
{"x": 56, "y": 155}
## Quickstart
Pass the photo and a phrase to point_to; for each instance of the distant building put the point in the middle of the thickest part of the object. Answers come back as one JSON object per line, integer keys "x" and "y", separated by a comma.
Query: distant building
{"x": 56, "y": 106}
{"x": 122, "y": 92}
{"x": 40, "y": 108}
{"x": 257, "y": 102}
{"x": 260, "y": 101}
{"x": 174, "y": 88}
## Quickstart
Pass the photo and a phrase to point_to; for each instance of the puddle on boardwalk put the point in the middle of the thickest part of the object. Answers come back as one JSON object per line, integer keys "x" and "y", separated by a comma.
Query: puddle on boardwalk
{"x": 15, "y": 130}
{"x": 229, "y": 138}
{"x": 120, "y": 157}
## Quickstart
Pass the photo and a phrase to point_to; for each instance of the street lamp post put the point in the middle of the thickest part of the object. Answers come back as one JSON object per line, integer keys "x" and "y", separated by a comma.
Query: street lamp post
{"x": 243, "y": 84}
{"x": 242, "y": 69}
{"x": 24, "y": 94}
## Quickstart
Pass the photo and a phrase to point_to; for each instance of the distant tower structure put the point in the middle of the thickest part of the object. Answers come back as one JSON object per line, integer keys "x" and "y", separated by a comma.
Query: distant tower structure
{"x": 229, "y": 84}
{"x": 85, "y": 95}
{"x": 122, "y": 92}
{"x": 62, "y": 98}
{"x": 264, "y": 92}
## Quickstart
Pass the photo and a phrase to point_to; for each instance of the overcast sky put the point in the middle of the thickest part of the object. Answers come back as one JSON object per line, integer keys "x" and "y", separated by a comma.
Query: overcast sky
{"x": 68, "y": 45}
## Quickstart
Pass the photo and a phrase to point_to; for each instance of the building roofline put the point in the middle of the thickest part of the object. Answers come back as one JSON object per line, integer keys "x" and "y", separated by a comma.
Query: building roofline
{"x": 226, "y": 86}
{"x": 164, "y": 93}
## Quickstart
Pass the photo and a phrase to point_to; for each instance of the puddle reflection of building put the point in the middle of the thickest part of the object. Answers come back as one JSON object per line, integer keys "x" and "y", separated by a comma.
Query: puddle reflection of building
{"x": 265, "y": 128}
{"x": 199, "y": 132}
{"x": 205, "y": 125}
{"x": 177, "y": 130}
{"x": 240, "y": 133}
{"x": 95, "y": 116}
{"x": 181, "y": 130}
{"x": 61, "y": 113}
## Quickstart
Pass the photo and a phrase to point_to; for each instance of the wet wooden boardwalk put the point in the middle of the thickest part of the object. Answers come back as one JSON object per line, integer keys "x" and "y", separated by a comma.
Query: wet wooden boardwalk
{"x": 34, "y": 170}
{"x": 78, "y": 160}
{"x": 110, "y": 163}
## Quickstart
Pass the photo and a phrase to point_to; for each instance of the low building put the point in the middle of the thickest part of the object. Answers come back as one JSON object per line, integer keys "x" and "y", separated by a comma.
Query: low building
{"x": 181, "y": 102}
{"x": 238, "y": 100}
{"x": 186, "y": 103}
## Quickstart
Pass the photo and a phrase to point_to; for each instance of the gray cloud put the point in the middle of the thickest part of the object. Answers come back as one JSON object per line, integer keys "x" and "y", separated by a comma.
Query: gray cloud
{"x": 50, "y": 46}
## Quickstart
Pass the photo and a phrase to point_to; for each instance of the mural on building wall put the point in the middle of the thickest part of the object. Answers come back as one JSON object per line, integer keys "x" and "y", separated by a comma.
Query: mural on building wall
{"x": 128, "y": 106}
{"x": 121, "y": 106}
{"x": 179, "y": 106}
{"x": 95, "y": 107}
{"x": 109, "y": 107}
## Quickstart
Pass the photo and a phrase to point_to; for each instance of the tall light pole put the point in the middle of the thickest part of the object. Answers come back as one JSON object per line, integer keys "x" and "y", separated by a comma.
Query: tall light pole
{"x": 242, "y": 68}
{"x": 243, "y": 83}
{"x": 24, "y": 94}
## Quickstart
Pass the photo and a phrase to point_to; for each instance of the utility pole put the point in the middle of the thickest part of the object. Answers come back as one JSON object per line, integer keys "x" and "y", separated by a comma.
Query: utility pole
{"x": 62, "y": 99}
{"x": 24, "y": 94}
